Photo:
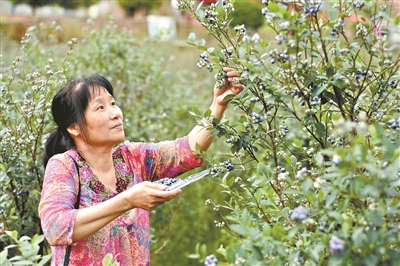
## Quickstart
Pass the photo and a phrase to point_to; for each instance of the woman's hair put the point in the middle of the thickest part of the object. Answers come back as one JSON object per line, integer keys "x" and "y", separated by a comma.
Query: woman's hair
{"x": 68, "y": 107}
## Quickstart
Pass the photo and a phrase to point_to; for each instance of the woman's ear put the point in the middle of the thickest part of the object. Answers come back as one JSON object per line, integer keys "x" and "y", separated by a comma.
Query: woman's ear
{"x": 73, "y": 130}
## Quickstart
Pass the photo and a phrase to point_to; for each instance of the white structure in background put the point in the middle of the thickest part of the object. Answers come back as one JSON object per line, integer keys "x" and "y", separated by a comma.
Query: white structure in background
{"x": 161, "y": 28}
{"x": 97, "y": 10}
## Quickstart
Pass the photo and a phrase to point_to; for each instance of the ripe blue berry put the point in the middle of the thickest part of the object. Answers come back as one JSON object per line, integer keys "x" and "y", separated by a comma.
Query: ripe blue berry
{"x": 336, "y": 245}
{"x": 299, "y": 213}
{"x": 211, "y": 260}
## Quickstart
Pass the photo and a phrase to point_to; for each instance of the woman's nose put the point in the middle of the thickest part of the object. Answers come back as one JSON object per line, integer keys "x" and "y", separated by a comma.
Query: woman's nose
{"x": 116, "y": 113}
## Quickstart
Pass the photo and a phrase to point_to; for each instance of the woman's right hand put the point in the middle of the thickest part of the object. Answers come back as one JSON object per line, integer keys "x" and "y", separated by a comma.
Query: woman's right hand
{"x": 147, "y": 195}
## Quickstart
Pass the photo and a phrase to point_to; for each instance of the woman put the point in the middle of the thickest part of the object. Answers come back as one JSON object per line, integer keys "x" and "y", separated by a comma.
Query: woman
{"x": 116, "y": 192}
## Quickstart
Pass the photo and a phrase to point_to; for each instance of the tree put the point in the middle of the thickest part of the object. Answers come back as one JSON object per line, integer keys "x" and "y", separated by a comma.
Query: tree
{"x": 131, "y": 7}
{"x": 73, "y": 4}
{"x": 33, "y": 3}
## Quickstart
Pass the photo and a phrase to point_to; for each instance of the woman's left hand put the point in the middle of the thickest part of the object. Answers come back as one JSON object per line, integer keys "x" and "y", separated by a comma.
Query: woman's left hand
{"x": 231, "y": 87}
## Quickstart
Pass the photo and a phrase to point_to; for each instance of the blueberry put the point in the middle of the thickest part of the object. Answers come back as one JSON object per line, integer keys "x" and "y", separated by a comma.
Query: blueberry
{"x": 299, "y": 213}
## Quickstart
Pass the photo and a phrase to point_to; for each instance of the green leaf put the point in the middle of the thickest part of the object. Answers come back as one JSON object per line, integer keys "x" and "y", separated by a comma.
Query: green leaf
{"x": 192, "y": 37}
{"x": 329, "y": 70}
{"x": 195, "y": 111}
{"x": 193, "y": 256}
{"x": 239, "y": 229}
{"x": 273, "y": 7}
{"x": 277, "y": 261}
{"x": 219, "y": 54}
{"x": 333, "y": 14}
{"x": 257, "y": 254}
{"x": 278, "y": 232}
{"x": 297, "y": 143}
{"x": 3, "y": 257}
{"x": 230, "y": 255}
{"x": 37, "y": 239}
{"x": 203, "y": 250}
{"x": 321, "y": 131}
{"x": 339, "y": 83}
{"x": 13, "y": 234}
{"x": 376, "y": 218}
{"x": 397, "y": 20}
{"x": 202, "y": 42}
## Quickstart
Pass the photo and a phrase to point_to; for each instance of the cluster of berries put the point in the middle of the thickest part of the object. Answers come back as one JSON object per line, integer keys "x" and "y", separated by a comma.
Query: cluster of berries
{"x": 280, "y": 38}
{"x": 311, "y": 10}
{"x": 312, "y": 87}
{"x": 360, "y": 73}
{"x": 229, "y": 166}
{"x": 204, "y": 62}
{"x": 336, "y": 245}
{"x": 358, "y": 4}
{"x": 255, "y": 99}
{"x": 210, "y": 15}
{"x": 257, "y": 117}
{"x": 299, "y": 213}
{"x": 223, "y": 167}
{"x": 296, "y": 92}
{"x": 393, "y": 123}
{"x": 338, "y": 27}
{"x": 281, "y": 57}
{"x": 344, "y": 51}
{"x": 392, "y": 84}
{"x": 285, "y": 129}
{"x": 281, "y": 169}
{"x": 302, "y": 172}
{"x": 240, "y": 29}
{"x": 314, "y": 101}
{"x": 166, "y": 181}
{"x": 323, "y": 226}
{"x": 331, "y": 140}
{"x": 211, "y": 260}
{"x": 361, "y": 30}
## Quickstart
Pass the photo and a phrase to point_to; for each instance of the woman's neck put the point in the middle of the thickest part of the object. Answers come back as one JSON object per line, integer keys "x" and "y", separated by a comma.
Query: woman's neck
{"x": 100, "y": 160}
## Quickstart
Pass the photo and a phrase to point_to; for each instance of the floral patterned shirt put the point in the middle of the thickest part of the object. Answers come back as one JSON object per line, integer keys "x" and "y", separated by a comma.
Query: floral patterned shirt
{"x": 128, "y": 236}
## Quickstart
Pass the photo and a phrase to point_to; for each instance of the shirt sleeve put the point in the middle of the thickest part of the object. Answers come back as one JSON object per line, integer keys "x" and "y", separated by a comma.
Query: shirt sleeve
{"x": 166, "y": 159}
{"x": 58, "y": 196}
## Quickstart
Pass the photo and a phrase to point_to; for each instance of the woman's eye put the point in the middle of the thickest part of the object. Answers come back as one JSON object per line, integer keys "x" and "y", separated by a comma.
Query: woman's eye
{"x": 100, "y": 107}
{"x": 113, "y": 103}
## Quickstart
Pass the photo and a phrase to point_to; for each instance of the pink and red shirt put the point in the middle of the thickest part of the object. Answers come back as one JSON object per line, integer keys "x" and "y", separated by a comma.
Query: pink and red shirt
{"x": 127, "y": 237}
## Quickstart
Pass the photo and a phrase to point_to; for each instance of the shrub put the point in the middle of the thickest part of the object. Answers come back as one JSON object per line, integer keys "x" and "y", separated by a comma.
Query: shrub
{"x": 315, "y": 151}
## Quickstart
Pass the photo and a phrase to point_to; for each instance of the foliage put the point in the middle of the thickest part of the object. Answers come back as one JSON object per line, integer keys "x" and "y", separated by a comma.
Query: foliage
{"x": 28, "y": 251}
{"x": 26, "y": 90}
{"x": 131, "y": 7}
{"x": 316, "y": 149}
{"x": 68, "y": 4}
{"x": 248, "y": 13}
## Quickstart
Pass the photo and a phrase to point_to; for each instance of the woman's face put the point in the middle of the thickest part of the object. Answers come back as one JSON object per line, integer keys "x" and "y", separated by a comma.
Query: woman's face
{"x": 104, "y": 126}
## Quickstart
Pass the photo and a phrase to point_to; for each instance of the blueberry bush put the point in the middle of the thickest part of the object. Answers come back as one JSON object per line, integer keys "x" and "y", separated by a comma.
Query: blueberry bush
{"x": 315, "y": 150}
